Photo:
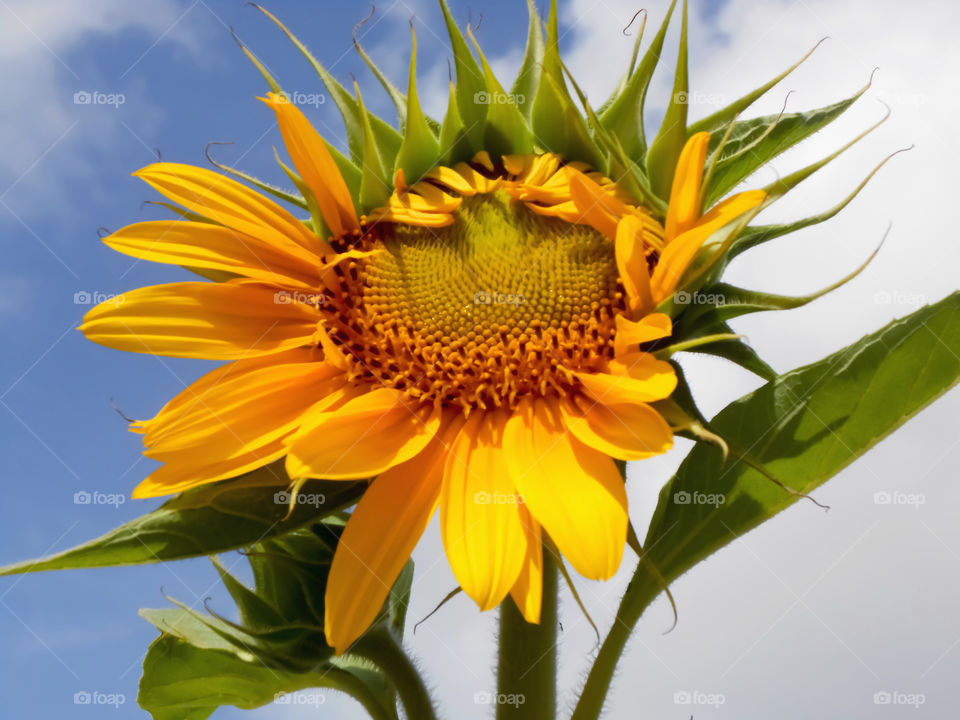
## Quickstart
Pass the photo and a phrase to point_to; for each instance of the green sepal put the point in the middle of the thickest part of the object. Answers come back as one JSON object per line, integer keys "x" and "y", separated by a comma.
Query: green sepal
{"x": 386, "y": 138}
{"x": 375, "y": 182}
{"x": 623, "y": 115}
{"x": 723, "y": 117}
{"x": 735, "y": 350}
{"x": 277, "y": 192}
{"x": 398, "y": 99}
{"x": 758, "y": 234}
{"x": 470, "y": 85}
{"x": 666, "y": 146}
{"x": 754, "y": 143}
{"x": 630, "y": 176}
{"x": 454, "y": 145}
{"x": 625, "y": 80}
{"x": 506, "y": 130}
{"x": 348, "y": 171}
{"x": 255, "y": 612}
{"x": 420, "y": 150}
{"x": 317, "y": 224}
{"x": 271, "y": 81}
{"x": 528, "y": 78}
{"x": 557, "y": 124}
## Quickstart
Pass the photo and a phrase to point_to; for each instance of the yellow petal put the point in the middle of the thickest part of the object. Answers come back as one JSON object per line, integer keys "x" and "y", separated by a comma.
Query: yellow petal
{"x": 210, "y": 442}
{"x": 315, "y": 165}
{"x": 628, "y": 431}
{"x": 599, "y": 209}
{"x": 527, "y": 591}
{"x": 216, "y": 247}
{"x": 367, "y": 436}
{"x": 228, "y": 202}
{"x": 485, "y": 542}
{"x": 630, "y": 333}
{"x": 239, "y": 406}
{"x": 681, "y": 250}
{"x": 380, "y": 535}
{"x": 573, "y": 491}
{"x": 217, "y": 321}
{"x": 632, "y": 263}
{"x": 632, "y": 378}
{"x": 684, "y": 208}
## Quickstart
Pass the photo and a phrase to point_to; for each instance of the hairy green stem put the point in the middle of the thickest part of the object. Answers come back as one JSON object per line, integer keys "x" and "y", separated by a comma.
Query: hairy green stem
{"x": 527, "y": 669}
{"x": 641, "y": 591}
{"x": 383, "y": 650}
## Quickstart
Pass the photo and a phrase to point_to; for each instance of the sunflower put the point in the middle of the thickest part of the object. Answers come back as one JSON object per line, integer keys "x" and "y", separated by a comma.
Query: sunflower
{"x": 477, "y": 340}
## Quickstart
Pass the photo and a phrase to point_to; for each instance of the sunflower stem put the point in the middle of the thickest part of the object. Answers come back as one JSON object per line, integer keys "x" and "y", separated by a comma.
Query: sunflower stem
{"x": 641, "y": 591}
{"x": 527, "y": 668}
{"x": 382, "y": 649}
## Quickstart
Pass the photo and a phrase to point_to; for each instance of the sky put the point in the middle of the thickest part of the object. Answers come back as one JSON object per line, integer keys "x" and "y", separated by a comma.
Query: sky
{"x": 813, "y": 614}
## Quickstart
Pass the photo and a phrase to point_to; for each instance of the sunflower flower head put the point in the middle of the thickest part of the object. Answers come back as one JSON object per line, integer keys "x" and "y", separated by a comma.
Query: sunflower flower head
{"x": 467, "y": 311}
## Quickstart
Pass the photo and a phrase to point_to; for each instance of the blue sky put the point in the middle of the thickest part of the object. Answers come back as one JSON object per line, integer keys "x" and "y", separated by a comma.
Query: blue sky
{"x": 65, "y": 172}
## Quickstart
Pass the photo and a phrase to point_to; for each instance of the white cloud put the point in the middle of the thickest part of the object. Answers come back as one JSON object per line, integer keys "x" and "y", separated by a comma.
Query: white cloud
{"x": 41, "y": 119}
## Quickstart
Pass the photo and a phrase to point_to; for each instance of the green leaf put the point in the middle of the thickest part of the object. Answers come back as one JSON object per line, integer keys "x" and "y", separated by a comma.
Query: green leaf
{"x": 624, "y": 114}
{"x": 470, "y": 85}
{"x": 804, "y": 427}
{"x": 528, "y": 79}
{"x": 666, "y": 146}
{"x": 183, "y": 682}
{"x": 279, "y": 645}
{"x": 557, "y": 124}
{"x": 754, "y": 143}
{"x": 210, "y": 519}
{"x": 420, "y": 150}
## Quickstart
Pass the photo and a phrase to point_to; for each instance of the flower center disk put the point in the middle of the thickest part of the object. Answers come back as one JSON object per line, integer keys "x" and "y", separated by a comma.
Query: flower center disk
{"x": 502, "y": 303}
